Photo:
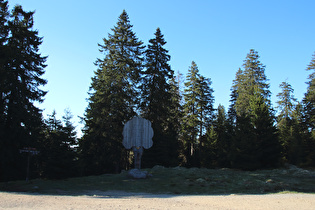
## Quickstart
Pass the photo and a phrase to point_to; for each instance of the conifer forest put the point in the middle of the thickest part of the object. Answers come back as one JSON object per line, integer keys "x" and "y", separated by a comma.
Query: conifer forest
{"x": 133, "y": 78}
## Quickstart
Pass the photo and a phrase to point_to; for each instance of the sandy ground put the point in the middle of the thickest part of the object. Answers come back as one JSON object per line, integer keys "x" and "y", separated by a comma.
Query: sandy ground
{"x": 122, "y": 200}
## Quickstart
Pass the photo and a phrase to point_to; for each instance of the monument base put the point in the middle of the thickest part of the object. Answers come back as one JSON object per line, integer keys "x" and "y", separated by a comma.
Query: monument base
{"x": 138, "y": 174}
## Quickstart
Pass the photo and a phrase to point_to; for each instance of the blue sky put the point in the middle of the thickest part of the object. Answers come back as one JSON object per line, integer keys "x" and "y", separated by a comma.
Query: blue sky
{"x": 217, "y": 35}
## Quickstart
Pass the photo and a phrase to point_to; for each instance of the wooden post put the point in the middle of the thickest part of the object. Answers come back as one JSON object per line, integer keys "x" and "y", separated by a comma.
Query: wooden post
{"x": 28, "y": 167}
{"x": 31, "y": 151}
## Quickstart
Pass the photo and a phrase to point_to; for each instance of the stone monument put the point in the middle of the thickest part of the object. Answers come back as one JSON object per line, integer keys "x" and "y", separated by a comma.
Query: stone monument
{"x": 137, "y": 135}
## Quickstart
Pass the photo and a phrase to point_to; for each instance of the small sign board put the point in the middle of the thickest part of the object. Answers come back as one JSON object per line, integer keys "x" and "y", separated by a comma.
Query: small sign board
{"x": 29, "y": 150}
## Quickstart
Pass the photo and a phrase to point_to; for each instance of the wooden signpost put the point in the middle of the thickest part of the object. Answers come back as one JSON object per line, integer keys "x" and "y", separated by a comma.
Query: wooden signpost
{"x": 138, "y": 134}
{"x": 31, "y": 151}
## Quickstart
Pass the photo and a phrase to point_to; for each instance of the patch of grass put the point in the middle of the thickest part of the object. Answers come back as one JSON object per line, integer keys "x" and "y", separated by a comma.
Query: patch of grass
{"x": 178, "y": 180}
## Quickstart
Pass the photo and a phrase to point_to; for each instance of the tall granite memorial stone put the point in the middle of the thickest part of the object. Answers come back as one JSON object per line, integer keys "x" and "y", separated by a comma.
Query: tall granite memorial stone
{"x": 137, "y": 135}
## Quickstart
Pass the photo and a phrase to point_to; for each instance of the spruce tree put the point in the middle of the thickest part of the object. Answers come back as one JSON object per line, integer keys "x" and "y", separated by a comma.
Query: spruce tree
{"x": 157, "y": 100}
{"x": 309, "y": 112}
{"x": 255, "y": 143}
{"x": 205, "y": 108}
{"x": 113, "y": 100}
{"x": 175, "y": 120}
{"x": 198, "y": 111}
{"x": 232, "y": 115}
{"x": 286, "y": 106}
{"x": 309, "y": 98}
{"x": 286, "y": 101}
{"x": 190, "y": 124}
{"x": 251, "y": 79}
{"x": 21, "y": 71}
{"x": 234, "y": 94}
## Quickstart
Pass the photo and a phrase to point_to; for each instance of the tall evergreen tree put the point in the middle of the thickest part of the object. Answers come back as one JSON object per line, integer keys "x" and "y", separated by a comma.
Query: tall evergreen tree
{"x": 286, "y": 106}
{"x": 252, "y": 79}
{"x": 309, "y": 98}
{"x": 205, "y": 108}
{"x": 255, "y": 142}
{"x": 156, "y": 103}
{"x": 234, "y": 94}
{"x": 232, "y": 115}
{"x": 113, "y": 100}
{"x": 286, "y": 101}
{"x": 21, "y": 69}
{"x": 175, "y": 119}
{"x": 198, "y": 111}
{"x": 190, "y": 123}
{"x": 309, "y": 111}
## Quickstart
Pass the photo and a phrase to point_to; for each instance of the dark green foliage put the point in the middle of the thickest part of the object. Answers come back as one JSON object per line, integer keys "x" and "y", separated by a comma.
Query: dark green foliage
{"x": 219, "y": 141}
{"x": 20, "y": 76}
{"x": 243, "y": 146}
{"x": 296, "y": 123}
{"x": 214, "y": 145}
{"x": 309, "y": 113}
{"x": 255, "y": 143}
{"x": 113, "y": 100}
{"x": 265, "y": 132}
{"x": 174, "y": 121}
{"x": 159, "y": 104}
{"x": 309, "y": 98}
{"x": 69, "y": 129}
{"x": 190, "y": 121}
{"x": 297, "y": 149}
{"x": 198, "y": 113}
{"x": 251, "y": 79}
{"x": 57, "y": 158}
{"x": 285, "y": 121}
{"x": 286, "y": 101}
{"x": 234, "y": 95}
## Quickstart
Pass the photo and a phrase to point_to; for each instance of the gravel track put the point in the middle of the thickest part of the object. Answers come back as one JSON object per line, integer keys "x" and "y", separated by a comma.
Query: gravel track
{"x": 123, "y": 200}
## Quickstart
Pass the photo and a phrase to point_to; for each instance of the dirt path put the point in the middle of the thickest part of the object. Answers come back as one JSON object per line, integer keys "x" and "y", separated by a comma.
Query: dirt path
{"x": 122, "y": 200}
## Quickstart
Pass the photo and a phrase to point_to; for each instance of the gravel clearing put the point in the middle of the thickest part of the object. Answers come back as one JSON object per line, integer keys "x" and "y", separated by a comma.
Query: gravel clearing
{"x": 123, "y": 200}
